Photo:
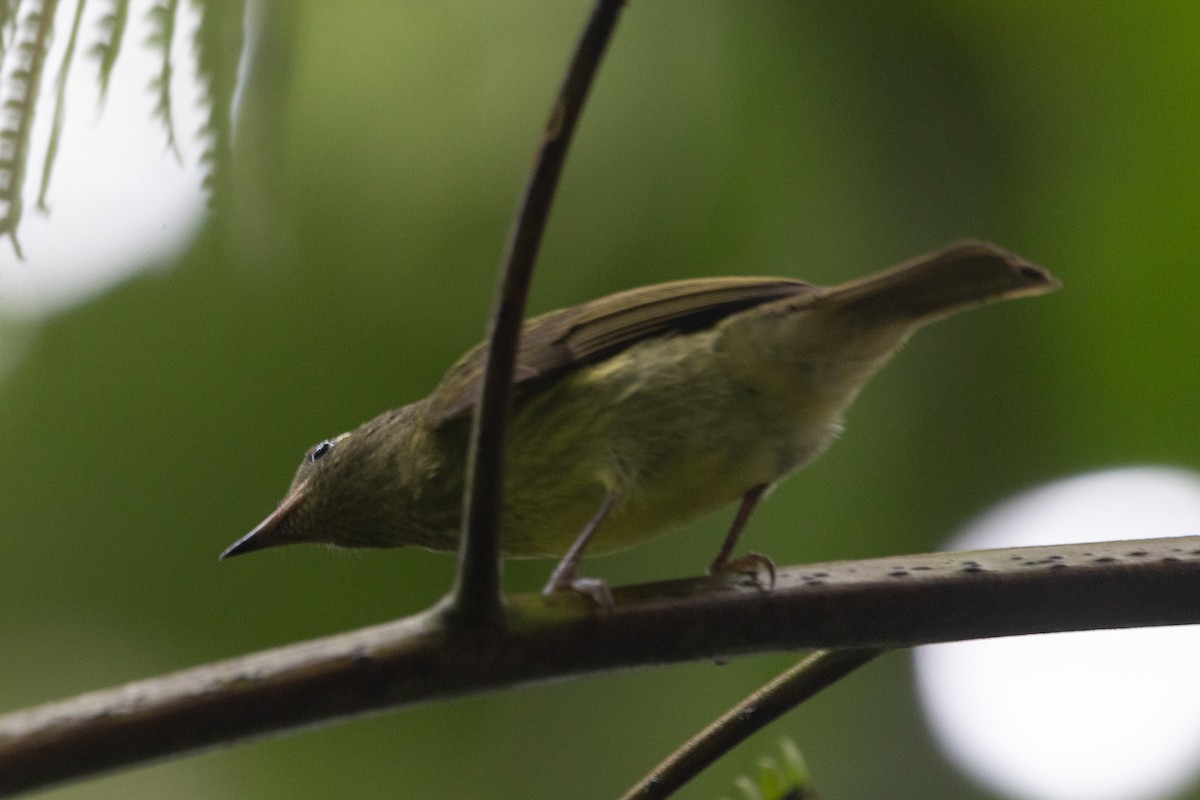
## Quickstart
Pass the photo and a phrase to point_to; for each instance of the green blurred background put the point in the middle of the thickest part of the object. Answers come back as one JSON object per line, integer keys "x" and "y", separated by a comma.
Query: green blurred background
{"x": 350, "y": 258}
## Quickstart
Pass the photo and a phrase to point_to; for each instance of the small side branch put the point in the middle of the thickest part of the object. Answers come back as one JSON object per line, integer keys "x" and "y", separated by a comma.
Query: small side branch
{"x": 476, "y": 598}
{"x": 820, "y": 670}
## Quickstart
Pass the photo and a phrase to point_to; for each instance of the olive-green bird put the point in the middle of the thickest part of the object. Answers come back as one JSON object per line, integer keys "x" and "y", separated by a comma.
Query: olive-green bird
{"x": 638, "y": 412}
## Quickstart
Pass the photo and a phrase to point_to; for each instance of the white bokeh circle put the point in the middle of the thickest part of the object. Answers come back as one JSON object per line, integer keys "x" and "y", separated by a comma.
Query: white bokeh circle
{"x": 119, "y": 199}
{"x": 1105, "y": 715}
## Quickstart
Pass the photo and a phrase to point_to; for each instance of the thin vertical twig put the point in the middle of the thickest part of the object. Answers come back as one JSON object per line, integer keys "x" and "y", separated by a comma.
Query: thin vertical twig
{"x": 768, "y": 703}
{"x": 475, "y": 598}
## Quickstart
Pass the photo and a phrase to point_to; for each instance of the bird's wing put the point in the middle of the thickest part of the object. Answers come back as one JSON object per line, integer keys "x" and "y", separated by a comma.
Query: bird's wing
{"x": 571, "y": 338}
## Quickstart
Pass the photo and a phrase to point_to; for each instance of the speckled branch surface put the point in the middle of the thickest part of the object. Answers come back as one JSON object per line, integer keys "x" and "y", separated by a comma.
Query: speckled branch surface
{"x": 886, "y": 603}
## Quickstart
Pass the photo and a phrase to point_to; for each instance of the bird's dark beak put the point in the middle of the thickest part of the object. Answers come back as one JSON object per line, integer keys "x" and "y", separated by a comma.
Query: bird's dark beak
{"x": 271, "y": 532}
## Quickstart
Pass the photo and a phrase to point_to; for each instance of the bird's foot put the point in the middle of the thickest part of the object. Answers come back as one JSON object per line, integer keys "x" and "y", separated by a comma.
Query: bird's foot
{"x": 595, "y": 588}
{"x": 754, "y": 566}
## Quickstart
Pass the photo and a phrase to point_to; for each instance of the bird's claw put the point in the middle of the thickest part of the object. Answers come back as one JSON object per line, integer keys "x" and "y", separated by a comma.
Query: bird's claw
{"x": 751, "y": 565}
{"x": 595, "y": 588}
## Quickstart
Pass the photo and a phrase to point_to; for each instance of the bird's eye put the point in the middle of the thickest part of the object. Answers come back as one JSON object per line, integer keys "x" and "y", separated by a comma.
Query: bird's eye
{"x": 321, "y": 450}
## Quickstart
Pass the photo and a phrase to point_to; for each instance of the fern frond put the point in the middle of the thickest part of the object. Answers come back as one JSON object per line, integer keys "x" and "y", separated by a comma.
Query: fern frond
{"x": 162, "y": 18}
{"x": 60, "y": 106}
{"x": 108, "y": 49}
{"x": 32, "y": 38}
{"x": 220, "y": 33}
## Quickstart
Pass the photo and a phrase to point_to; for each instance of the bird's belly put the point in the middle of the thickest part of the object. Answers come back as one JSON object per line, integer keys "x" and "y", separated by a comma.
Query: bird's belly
{"x": 667, "y": 451}
{"x": 545, "y": 523}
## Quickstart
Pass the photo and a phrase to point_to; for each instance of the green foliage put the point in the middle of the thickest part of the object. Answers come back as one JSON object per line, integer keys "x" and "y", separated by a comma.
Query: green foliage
{"x": 785, "y": 778}
{"x": 60, "y": 105}
{"x": 162, "y": 19}
{"x": 21, "y": 87}
{"x": 219, "y": 36}
{"x": 112, "y": 36}
{"x": 218, "y": 43}
{"x": 8, "y": 19}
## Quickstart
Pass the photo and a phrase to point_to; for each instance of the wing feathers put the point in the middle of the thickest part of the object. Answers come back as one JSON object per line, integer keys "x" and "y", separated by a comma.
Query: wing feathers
{"x": 572, "y": 338}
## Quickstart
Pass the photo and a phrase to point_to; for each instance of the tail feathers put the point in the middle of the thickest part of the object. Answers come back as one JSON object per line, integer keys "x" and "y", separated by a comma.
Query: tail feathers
{"x": 953, "y": 279}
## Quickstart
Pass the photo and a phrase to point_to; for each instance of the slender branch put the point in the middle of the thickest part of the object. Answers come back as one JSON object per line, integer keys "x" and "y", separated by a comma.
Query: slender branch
{"x": 879, "y": 603}
{"x": 771, "y": 701}
{"x": 476, "y": 598}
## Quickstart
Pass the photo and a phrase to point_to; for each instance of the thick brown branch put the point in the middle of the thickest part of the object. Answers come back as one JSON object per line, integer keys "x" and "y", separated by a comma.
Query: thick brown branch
{"x": 879, "y": 603}
{"x": 476, "y": 595}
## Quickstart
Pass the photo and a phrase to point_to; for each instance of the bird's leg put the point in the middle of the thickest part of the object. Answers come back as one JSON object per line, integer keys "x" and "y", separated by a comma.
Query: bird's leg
{"x": 749, "y": 502}
{"x": 722, "y": 564}
{"x": 564, "y": 575}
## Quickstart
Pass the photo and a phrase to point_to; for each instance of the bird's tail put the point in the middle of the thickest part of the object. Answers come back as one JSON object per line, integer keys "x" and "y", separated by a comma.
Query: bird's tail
{"x": 936, "y": 285}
